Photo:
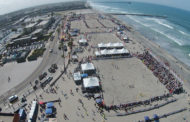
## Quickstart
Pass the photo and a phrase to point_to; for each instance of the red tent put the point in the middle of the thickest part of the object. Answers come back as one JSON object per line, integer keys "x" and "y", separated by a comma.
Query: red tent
{"x": 41, "y": 103}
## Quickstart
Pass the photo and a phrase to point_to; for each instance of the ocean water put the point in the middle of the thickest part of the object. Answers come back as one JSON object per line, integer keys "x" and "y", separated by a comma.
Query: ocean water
{"x": 171, "y": 33}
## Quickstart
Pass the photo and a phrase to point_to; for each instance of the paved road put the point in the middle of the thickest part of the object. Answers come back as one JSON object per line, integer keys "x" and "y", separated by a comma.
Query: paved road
{"x": 48, "y": 59}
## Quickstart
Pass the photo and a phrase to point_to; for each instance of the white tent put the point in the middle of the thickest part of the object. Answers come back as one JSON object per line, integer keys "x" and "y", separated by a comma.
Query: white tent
{"x": 87, "y": 66}
{"x": 118, "y": 44}
{"x": 113, "y": 51}
{"x": 97, "y": 53}
{"x": 91, "y": 82}
{"x": 101, "y": 45}
{"x": 123, "y": 51}
{"x": 104, "y": 52}
{"x": 77, "y": 76}
{"x": 109, "y": 44}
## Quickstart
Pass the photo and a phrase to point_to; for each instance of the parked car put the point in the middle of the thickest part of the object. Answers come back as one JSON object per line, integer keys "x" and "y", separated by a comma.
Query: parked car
{"x": 54, "y": 66}
{"x": 79, "y": 49}
{"x": 49, "y": 79}
{"x": 36, "y": 82}
{"x": 51, "y": 50}
{"x": 42, "y": 76}
{"x": 13, "y": 98}
{"x": 23, "y": 99}
{"x": 51, "y": 70}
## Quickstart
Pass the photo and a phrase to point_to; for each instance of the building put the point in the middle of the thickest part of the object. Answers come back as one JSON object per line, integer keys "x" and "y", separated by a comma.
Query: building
{"x": 45, "y": 23}
{"x": 31, "y": 27}
{"x": 37, "y": 32}
{"x": 20, "y": 41}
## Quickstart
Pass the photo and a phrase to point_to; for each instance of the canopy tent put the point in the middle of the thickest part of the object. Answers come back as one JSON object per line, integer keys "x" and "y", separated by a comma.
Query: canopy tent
{"x": 41, "y": 103}
{"x": 84, "y": 75}
{"x": 117, "y": 44}
{"x": 147, "y": 119}
{"x": 77, "y": 76}
{"x": 101, "y": 45}
{"x": 123, "y": 51}
{"x": 97, "y": 53}
{"x": 49, "y": 111}
{"x": 91, "y": 82}
{"x": 49, "y": 105}
{"x": 87, "y": 66}
{"x": 113, "y": 52}
{"x": 104, "y": 52}
{"x": 111, "y": 45}
{"x": 156, "y": 117}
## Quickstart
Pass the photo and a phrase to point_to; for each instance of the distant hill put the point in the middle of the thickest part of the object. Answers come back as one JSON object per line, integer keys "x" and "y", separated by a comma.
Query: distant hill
{"x": 9, "y": 18}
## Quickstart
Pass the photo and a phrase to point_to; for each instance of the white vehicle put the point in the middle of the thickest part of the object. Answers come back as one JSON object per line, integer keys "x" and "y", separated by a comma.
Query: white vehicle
{"x": 51, "y": 50}
{"x": 13, "y": 98}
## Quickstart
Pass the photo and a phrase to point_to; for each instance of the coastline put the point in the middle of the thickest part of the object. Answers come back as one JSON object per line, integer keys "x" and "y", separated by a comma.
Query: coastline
{"x": 124, "y": 81}
{"x": 181, "y": 69}
{"x": 175, "y": 64}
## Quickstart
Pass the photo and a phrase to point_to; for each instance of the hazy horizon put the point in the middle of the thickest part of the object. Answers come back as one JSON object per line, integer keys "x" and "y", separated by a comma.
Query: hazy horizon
{"x": 7, "y": 6}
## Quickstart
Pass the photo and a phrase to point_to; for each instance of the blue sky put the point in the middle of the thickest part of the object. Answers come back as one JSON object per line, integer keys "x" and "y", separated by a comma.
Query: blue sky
{"x": 13, "y": 5}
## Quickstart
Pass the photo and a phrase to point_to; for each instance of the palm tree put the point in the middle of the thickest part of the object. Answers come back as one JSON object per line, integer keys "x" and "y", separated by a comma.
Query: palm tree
{"x": 70, "y": 44}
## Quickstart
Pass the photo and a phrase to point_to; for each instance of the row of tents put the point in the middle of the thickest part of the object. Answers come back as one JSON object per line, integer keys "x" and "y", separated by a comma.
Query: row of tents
{"x": 112, "y": 52}
{"x": 89, "y": 82}
{"x": 116, "y": 45}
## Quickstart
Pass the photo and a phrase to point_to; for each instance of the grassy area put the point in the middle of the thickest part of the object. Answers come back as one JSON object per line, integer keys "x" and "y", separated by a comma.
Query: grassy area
{"x": 36, "y": 53}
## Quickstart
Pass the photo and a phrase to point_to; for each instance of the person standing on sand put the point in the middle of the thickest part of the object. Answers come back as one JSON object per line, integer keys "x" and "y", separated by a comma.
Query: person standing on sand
{"x": 9, "y": 79}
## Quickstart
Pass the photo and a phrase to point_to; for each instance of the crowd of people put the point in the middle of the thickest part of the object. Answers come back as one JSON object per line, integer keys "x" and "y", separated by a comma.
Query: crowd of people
{"x": 138, "y": 103}
{"x": 163, "y": 74}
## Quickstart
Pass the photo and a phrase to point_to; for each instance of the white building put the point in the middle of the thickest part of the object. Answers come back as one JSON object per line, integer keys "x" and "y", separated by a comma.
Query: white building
{"x": 43, "y": 24}
{"x": 31, "y": 27}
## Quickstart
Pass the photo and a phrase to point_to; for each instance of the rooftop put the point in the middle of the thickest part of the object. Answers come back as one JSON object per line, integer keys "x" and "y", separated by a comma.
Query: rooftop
{"x": 43, "y": 22}
{"x": 30, "y": 25}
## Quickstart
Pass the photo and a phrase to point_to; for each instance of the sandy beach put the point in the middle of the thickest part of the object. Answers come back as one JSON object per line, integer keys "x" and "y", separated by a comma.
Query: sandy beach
{"x": 123, "y": 80}
{"x": 17, "y": 72}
